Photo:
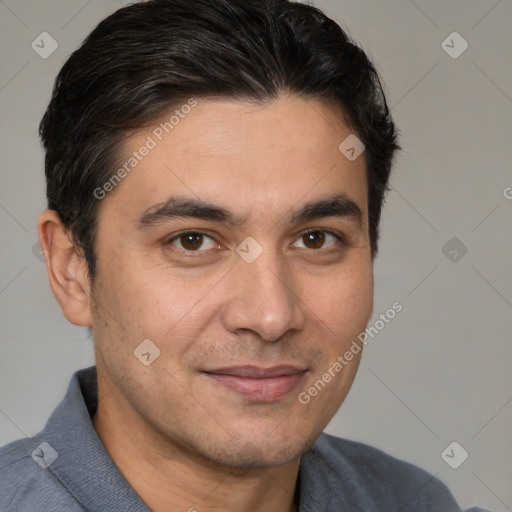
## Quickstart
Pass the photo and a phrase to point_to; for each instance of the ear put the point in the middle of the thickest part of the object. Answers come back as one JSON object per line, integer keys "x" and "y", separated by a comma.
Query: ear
{"x": 67, "y": 269}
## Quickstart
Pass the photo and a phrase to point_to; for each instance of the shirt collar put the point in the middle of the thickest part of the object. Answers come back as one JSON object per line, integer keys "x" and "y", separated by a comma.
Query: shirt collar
{"x": 83, "y": 465}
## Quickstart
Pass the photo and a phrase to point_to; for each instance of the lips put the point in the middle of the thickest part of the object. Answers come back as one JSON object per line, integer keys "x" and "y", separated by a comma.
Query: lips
{"x": 258, "y": 384}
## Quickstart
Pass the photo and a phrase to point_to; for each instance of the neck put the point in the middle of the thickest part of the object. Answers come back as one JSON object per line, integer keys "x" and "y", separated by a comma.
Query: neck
{"x": 169, "y": 477}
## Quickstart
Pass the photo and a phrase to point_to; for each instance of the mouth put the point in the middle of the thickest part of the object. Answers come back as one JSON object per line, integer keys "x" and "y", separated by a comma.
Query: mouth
{"x": 259, "y": 384}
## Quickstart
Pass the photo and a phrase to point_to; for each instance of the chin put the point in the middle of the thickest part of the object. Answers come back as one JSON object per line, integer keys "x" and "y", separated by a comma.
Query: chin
{"x": 245, "y": 453}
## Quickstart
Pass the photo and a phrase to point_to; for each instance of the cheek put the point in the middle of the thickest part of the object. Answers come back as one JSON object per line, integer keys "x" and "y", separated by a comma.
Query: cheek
{"x": 343, "y": 310}
{"x": 168, "y": 308}
{"x": 344, "y": 303}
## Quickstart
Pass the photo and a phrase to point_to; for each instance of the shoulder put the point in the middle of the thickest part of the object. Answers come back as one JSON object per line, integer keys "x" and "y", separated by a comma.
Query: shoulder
{"x": 375, "y": 478}
{"x": 362, "y": 457}
{"x": 25, "y": 485}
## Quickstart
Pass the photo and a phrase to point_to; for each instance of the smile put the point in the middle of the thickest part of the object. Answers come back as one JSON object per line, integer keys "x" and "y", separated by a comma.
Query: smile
{"x": 259, "y": 384}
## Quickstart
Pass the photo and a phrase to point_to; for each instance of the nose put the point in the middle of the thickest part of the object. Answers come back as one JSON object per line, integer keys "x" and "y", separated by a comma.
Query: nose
{"x": 262, "y": 298}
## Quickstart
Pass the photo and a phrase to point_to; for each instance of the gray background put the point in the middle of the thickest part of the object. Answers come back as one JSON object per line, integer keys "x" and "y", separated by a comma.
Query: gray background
{"x": 437, "y": 373}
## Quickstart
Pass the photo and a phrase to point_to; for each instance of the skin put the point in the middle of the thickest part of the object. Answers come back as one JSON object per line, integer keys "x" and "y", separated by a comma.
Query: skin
{"x": 181, "y": 439}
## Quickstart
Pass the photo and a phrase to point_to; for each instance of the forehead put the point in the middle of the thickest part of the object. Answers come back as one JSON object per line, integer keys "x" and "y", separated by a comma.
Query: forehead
{"x": 252, "y": 158}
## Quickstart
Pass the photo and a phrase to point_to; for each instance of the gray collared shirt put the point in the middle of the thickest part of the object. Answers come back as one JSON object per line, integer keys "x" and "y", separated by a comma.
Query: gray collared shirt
{"x": 66, "y": 468}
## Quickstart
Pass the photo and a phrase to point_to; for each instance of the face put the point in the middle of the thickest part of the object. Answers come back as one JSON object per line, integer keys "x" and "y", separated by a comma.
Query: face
{"x": 238, "y": 245}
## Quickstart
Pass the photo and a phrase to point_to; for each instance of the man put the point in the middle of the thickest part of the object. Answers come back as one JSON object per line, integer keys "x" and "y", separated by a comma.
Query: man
{"x": 215, "y": 177}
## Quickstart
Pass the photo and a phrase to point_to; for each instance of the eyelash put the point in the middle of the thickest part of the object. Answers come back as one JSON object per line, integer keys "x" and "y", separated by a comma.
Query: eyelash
{"x": 338, "y": 236}
{"x": 198, "y": 254}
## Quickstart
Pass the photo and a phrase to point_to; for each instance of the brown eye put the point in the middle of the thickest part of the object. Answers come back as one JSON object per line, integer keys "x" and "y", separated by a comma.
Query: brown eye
{"x": 314, "y": 239}
{"x": 318, "y": 239}
{"x": 192, "y": 241}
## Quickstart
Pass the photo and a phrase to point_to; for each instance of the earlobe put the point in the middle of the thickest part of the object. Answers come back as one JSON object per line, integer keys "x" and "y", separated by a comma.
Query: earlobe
{"x": 67, "y": 269}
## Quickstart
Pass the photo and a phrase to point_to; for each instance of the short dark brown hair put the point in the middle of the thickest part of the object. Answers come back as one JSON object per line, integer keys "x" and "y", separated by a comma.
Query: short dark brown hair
{"x": 149, "y": 57}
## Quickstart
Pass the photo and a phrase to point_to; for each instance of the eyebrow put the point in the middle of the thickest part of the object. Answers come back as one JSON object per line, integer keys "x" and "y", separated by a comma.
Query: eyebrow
{"x": 336, "y": 206}
{"x": 179, "y": 207}
{"x": 174, "y": 207}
